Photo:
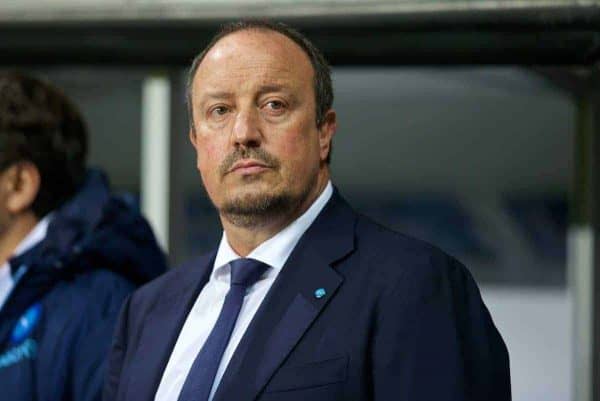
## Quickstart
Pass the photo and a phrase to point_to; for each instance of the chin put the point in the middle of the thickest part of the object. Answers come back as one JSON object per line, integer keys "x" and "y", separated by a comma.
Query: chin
{"x": 253, "y": 197}
{"x": 250, "y": 206}
{"x": 253, "y": 187}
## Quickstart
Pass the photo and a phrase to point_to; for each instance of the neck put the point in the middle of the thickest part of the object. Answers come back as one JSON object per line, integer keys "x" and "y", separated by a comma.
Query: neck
{"x": 14, "y": 233}
{"x": 244, "y": 240}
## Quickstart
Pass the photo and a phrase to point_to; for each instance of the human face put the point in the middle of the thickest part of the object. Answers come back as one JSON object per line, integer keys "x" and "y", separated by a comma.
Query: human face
{"x": 259, "y": 150}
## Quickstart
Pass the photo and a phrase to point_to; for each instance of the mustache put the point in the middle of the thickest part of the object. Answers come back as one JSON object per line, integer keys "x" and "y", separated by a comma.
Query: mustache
{"x": 248, "y": 153}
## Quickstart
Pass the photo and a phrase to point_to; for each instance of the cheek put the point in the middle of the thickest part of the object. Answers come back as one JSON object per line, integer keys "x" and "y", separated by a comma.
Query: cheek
{"x": 209, "y": 155}
{"x": 301, "y": 147}
{"x": 208, "y": 167}
{"x": 291, "y": 150}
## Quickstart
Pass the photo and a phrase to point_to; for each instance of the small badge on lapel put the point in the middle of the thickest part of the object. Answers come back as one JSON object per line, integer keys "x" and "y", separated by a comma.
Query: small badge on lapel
{"x": 26, "y": 324}
{"x": 320, "y": 293}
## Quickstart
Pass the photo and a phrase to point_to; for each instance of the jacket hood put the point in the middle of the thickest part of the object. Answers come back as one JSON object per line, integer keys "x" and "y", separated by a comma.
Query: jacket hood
{"x": 97, "y": 230}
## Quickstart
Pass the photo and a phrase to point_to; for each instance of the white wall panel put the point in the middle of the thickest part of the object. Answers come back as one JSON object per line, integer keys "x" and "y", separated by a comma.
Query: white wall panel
{"x": 536, "y": 326}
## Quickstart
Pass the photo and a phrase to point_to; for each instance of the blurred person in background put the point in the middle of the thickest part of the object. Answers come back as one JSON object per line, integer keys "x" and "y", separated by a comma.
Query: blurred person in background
{"x": 303, "y": 299}
{"x": 70, "y": 252}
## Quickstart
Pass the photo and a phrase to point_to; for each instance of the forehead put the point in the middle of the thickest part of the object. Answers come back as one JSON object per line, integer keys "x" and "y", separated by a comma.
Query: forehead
{"x": 254, "y": 56}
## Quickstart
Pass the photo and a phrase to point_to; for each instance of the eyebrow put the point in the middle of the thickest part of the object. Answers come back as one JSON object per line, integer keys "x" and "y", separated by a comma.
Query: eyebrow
{"x": 261, "y": 91}
{"x": 218, "y": 95}
{"x": 272, "y": 88}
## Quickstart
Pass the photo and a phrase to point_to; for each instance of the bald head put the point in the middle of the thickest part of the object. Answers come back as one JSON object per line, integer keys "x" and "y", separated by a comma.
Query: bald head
{"x": 263, "y": 45}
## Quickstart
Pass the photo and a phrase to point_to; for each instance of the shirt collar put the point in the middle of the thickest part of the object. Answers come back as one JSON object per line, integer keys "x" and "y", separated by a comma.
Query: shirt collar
{"x": 35, "y": 236}
{"x": 274, "y": 251}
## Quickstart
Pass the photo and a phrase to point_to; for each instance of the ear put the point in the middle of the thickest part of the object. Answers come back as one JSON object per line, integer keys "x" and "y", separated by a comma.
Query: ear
{"x": 192, "y": 136}
{"x": 326, "y": 133}
{"x": 194, "y": 140}
{"x": 22, "y": 186}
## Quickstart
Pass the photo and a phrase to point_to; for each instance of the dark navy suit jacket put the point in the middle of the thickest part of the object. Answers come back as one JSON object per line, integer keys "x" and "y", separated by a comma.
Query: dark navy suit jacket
{"x": 400, "y": 320}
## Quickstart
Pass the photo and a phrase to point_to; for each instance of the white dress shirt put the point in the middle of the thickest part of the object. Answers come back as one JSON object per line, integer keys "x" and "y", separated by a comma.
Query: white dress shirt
{"x": 36, "y": 235}
{"x": 203, "y": 315}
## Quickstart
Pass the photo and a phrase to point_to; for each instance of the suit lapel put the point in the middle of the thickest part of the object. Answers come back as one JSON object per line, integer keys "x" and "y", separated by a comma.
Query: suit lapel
{"x": 162, "y": 326}
{"x": 291, "y": 306}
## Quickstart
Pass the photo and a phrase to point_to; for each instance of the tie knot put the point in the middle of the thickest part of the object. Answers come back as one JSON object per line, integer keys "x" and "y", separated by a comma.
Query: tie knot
{"x": 246, "y": 272}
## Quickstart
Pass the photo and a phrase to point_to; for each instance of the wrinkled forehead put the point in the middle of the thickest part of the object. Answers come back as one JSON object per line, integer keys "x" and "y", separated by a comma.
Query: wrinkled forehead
{"x": 253, "y": 56}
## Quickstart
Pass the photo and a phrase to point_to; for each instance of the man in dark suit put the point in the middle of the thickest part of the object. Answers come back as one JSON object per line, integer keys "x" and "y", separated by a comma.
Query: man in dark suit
{"x": 304, "y": 299}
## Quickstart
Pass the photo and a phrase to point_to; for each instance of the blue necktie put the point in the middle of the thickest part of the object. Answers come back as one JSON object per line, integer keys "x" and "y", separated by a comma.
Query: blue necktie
{"x": 200, "y": 378}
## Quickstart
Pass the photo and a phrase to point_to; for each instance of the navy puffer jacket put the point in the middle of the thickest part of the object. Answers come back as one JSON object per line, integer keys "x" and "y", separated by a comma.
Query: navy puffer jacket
{"x": 57, "y": 324}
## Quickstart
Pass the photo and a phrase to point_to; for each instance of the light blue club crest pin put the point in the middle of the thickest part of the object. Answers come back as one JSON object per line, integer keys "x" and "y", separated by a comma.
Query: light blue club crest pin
{"x": 26, "y": 323}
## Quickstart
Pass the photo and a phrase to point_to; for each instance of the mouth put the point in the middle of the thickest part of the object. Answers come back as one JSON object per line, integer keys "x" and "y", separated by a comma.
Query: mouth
{"x": 248, "y": 167}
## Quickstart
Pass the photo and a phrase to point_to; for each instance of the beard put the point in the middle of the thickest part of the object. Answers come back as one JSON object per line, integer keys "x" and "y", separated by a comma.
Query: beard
{"x": 254, "y": 210}
{"x": 263, "y": 207}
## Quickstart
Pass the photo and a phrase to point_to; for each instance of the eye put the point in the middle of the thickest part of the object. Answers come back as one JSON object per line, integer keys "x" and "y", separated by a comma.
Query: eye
{"x": 275, "y": 105}
{"x": 220, "y": 110}
{"x": 217, "y": 112}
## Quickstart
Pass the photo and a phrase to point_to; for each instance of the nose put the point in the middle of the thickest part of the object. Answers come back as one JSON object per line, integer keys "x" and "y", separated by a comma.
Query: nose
{"x": 246, "y": 132}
